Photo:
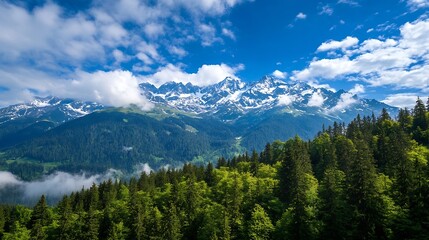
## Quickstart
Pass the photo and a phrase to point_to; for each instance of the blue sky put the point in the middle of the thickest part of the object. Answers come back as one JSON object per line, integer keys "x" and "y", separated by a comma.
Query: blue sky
{"x": 101, "y": 50}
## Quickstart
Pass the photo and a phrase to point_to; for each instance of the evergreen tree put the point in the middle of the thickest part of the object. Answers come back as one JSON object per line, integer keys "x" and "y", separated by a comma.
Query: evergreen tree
{"x": 172, "y": 224}
{"x": 66, "y": 219}
{"x": 299, "y": 191}
{"x": 209, "y": 175}
{"x": 260, "y": 226}
{"x": 334, "y": 211}
{"x": 323, "y": 154}
{"x": 365, "y": 196}
{"x": 16, "y": 232}
{"x": 41, "y": 214}
{"x": 420, "y": 122}
{"x": 90, "y": 229}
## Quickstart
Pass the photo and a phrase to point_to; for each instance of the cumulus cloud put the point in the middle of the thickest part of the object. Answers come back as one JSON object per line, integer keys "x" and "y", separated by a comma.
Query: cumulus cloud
{"x": 343, "y": 44}
{"x": 43, "y": 45}
{"x": 399, "y": 61}
{"x": 114, "y": 88}
{"x": 346, "y": 99}
{"x": 357, "y": 89}
{"x": 401, "y": 100}
{"x": 285, "y": 100}
{"x": 44, "y": 35}
{"x": 301, "y": 16}
{"x": 417, "y": 4}
{"x": 206, "y": 74}
{"x": 316, "y": 100}
{"x": 279, "y": 74}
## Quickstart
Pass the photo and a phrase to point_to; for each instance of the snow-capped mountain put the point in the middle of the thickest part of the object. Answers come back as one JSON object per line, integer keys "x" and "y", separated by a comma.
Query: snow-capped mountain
{"x": 232, "y": 98}
{"x": 53, "y": 109}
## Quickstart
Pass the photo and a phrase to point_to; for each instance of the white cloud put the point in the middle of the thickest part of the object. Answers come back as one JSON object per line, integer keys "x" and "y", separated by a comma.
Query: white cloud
{"x": 178, "y": 51}
{"x": 401, "y": 100}
{"x": 228, "y": 33}
{"x": 120, "y": 56}
{"x": 346, "y": 100}
{"x": 417, "y": 4}
{"x": 400, "y": 61}
{"x": 316, "y": 100}
{"x": 208, "y": 34}
{"x": 285, "y": 100}
{"x": 115, "y": 88}
{"x": 349, "y": 2}
{"x": 374, "y": 44}
{"x": 153, "y": 30}
{"x": 357, "y": 89}
{"x": 279, "y": 74}
{"x": 54, "y": 185}
{"x": 326, "y": 68}
{"x": 45, "y": 37}
{"x": 7, "y": 178}
{"x": 326, "y": 10}
{"x": 206, "y": 74}
{"x": 143, "y": 168}
{"x": 317, "y": 85}
{"x": 301, "y": 16}
{"x": 112, "y": 88}
{"x": 343, "y": 44}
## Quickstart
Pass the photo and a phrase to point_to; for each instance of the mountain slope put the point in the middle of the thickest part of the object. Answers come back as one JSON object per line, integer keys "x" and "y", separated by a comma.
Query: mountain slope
{"x": 21, "y": 122}
{"x": 188, "y": 123}
{"x": 118, "y": 139}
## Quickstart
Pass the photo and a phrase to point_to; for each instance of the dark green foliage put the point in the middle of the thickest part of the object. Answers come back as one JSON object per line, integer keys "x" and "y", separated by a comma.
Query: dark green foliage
{"x": 105, "y": 140}
{"x": 371, "y": 182}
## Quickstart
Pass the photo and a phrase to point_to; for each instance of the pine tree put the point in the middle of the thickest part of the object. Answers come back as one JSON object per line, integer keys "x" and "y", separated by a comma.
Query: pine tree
{"x": 299, "y": 191}
{"x": 91, "y": 225}
{"x": 66, "y": 219}
{"x": 260, "y": 226}
{"x": 420, "y": 123}
{"x": 172, "y": 224}
{"x": 294, "y": 166}
{"x": 334, "y": 211}
{"x": 209, "y": 175}
{"x": 40, "y": 215}
{"x": 364, "y": 195}
{"x": 323, "y": 154}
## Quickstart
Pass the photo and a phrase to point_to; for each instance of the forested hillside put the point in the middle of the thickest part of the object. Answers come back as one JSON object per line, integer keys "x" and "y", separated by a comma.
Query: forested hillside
{"x": 369, "y": 180}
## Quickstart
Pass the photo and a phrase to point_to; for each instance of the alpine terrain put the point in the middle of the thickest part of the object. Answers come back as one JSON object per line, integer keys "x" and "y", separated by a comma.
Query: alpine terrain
{"x": 188, "y": 124}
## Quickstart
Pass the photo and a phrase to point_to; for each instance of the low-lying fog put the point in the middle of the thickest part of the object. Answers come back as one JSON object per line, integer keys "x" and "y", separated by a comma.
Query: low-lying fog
{"x": 54, "y": 186}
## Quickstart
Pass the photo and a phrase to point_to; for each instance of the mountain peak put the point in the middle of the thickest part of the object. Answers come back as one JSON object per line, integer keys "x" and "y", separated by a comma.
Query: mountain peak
{"x": 233, "y": 98}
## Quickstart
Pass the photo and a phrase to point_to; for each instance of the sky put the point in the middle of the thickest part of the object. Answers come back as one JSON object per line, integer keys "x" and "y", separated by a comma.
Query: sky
{"x": 100, "y": 50}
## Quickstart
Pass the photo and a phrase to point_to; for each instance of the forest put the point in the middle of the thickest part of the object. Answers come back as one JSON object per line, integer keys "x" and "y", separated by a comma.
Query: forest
{"x": 366, "y": 180}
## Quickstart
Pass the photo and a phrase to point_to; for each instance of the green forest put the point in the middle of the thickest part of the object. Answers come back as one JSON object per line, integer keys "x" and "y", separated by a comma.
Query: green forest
{"x": 366, "y": 180}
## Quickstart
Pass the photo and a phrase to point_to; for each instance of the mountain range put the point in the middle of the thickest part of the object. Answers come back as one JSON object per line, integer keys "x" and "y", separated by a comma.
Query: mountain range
{"x": 188, "y": 123}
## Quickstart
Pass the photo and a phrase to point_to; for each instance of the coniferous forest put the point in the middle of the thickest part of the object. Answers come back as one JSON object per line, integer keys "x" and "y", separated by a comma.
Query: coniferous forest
{"x": 366, "y": 180}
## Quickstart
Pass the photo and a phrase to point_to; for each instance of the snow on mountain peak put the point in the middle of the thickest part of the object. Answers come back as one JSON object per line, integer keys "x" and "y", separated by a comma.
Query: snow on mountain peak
{"x": 50, "y": 108}
{"x": 234, "y": 96}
